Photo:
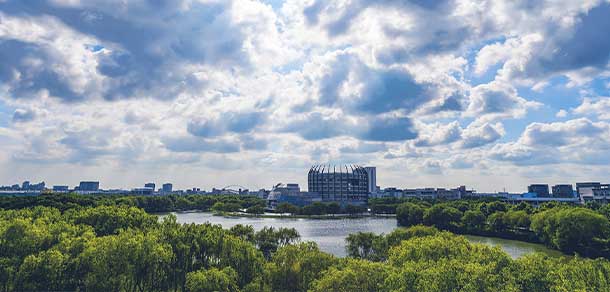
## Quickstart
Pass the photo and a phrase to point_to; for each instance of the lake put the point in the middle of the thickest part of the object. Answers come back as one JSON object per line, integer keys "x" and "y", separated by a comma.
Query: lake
{"x": 330, "y": 234}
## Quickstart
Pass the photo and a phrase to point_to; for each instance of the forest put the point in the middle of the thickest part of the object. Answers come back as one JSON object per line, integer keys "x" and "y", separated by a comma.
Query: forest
{"x": 582, "y": 230}
{"x": 119, "y": 247}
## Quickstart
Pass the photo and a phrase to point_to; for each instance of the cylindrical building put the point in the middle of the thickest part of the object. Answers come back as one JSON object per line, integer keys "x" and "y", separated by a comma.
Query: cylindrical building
{"x": 343, "y": 184}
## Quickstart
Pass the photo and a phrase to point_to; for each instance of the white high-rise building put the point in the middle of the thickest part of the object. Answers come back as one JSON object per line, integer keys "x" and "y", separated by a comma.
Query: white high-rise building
{"x": 371, "y": 172}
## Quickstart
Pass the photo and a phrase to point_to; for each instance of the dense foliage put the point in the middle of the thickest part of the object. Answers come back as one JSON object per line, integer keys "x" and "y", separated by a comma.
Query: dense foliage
{"x": 120, "y": 248}
{"x": 150, "y": 204}
{"x": 570, "y": 229}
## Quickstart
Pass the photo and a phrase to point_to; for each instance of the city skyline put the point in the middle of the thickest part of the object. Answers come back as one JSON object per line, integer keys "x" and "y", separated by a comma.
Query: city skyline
{"x": 492, "y": 95}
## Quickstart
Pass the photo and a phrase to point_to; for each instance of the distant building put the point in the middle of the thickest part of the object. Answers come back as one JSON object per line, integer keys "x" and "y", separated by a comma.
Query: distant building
{"x": 291, "y": 194}
{"x": 602, "y": 194}
{"x": 25, "y": 185}
{"x": 167, "y": 188}
{"x": 89, "y": 186}
{"x": 150, "y": 185}
{"x": 371, "y": 172}
{"x": 391, "y": 192}
{"x": 440, "y": 193}
{"x": 142, "y": 191}
{"x": 563, "y": 191}
{"x": 593, "y": 191}
{"x": 586, "y": 188}
{"x": 542, "y": 190}
{"x": 61, "y": 189}
{"x": 344, "y": 184}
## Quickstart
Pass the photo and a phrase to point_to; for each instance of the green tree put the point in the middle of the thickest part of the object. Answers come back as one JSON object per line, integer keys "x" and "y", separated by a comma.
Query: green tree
{"x": 294, "y": 267}
{"x": 212, "y": 280}
{"x": 355, "y": 276}
{"x": 409, "y": 214}
{"x": 108, "y": 220}
{"x": 473, "y": 220}
{"x": 286, "y": 208}
{"x": 268, "y": 240}
{"x": 443, "y": 217}
{"x": 256, "y": 209}
{"x": 333, "y": 208}
{"x": 367, "y": 245}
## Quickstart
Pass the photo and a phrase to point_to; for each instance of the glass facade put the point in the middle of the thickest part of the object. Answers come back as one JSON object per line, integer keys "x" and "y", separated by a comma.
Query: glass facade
{"x": 345, "y": 183}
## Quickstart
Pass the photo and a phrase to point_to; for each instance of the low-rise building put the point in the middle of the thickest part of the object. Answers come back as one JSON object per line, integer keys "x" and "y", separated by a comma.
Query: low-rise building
{"x": 542, "y": 190}
{"x": 292, "y": 194}
{"x": 563, "y": 191}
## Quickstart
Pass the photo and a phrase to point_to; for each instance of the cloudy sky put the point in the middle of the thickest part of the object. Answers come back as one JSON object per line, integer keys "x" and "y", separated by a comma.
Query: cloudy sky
{"x": 490, "y": 94}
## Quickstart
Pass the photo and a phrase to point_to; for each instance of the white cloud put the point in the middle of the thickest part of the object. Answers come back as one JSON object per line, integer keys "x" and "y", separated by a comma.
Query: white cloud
{"x": 104, "y": 87}
{"x": 497, "y": 99}
{"x": 561, "y": 113}
{"x": 599, "y": 108}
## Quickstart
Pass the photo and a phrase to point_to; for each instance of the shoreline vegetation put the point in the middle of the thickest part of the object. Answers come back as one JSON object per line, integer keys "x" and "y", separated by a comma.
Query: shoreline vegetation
{"x": 114, "y": 243}
{"x": 123, "y": 248}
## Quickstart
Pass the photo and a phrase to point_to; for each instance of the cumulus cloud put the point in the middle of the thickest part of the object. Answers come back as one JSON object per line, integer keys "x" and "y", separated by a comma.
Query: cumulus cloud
{"x": 561, "y": 113}
{"x": 498, "y": 99}
{"x": 116, "y": 49}
{"x": 599, "y": 107}
{"x": 573, "y": 141}
{"x": 572, "y": 132}
{"x": 478, "y": 135}
{"x": 436, "y": 134}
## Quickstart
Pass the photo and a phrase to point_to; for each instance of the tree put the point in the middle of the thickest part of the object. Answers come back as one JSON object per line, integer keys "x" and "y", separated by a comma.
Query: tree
{"x": 367, "y": 245}
{"x": 294, "y": 267}
{"x": 573, "y": 230}
{"x": 356, "y": 275}
{"x": 245, "y": 232}
{"x": 212, "y": 280}
{"x": 353, "y": 209}
{"x": 473, "y": 220}
{"x": 256, "y": 209}
{"x": 131, "y": 260}
{"x": 443, "y": 217}
{"x": 400, "y": 234}
{"x": 316, "y": 208}
{"x": 108, "y": 220}
{"x": 286, "y": 208}
{"x": 497, "y": 222}
{"x": 409, "y": 214}
{"x": 226, "y": 207}
{"x": 268, "y": 240}
{"x": 333, "y": 208}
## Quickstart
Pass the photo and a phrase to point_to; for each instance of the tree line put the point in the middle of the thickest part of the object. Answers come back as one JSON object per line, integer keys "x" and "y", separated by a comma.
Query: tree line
{"x": 571, "y": 229}
{"x": 121, "y": 248}
{"x": 151, "y": 204}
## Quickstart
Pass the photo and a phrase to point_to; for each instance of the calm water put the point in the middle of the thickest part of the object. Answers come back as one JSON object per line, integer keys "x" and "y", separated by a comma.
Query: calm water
{"x": 330, "y": 234}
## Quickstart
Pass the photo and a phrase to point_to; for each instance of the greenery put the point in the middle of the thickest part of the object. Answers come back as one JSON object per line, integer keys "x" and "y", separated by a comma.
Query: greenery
{"x": 150, "y": 204}
{"x": 122, "y": 248}
{"x": 568, "y": 228}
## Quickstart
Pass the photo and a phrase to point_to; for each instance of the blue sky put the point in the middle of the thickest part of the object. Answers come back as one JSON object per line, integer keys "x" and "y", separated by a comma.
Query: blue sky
{"x": 491, "y": 94}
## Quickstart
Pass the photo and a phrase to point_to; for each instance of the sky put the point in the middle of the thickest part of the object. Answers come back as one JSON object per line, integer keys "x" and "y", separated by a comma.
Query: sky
{"x": 494, "y": 95}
